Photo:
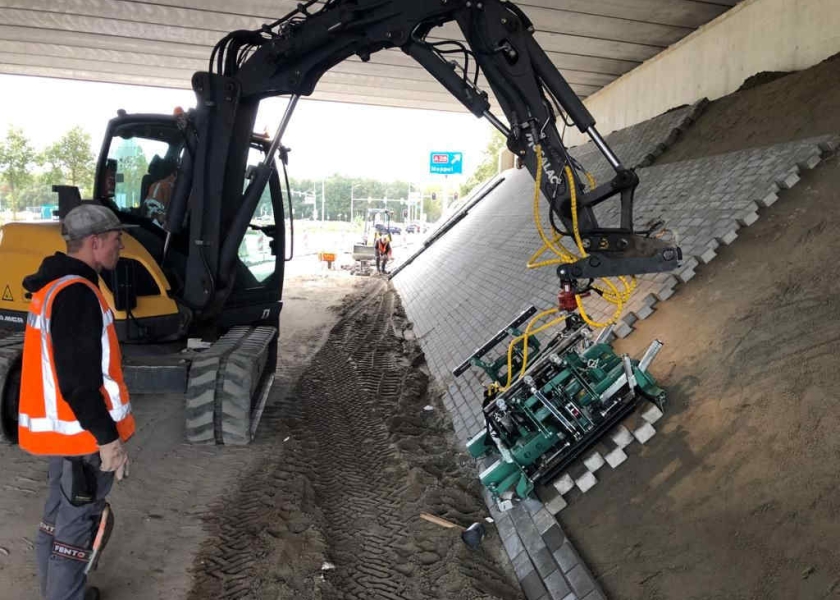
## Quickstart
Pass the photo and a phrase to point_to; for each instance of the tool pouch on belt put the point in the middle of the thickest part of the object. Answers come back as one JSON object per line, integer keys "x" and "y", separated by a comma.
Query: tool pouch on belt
{"x": 78, "y": 481}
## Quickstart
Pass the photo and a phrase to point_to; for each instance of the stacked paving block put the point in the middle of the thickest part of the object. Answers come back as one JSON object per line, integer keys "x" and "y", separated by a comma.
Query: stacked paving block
{"x": 582, "y": 475}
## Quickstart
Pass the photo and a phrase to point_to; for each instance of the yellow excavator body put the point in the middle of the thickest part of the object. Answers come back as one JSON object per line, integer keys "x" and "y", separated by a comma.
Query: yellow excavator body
{"x": 24, "y": 245}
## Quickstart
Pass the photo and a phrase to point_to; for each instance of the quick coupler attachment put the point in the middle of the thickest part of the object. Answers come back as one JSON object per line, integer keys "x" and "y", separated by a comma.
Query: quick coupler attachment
{"x": 614, "y": 254}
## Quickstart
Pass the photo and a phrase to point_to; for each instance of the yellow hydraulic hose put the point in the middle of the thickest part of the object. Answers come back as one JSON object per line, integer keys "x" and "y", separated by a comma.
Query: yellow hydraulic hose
{"x": 524, "y": 338}
{"x": 608, "y": 290}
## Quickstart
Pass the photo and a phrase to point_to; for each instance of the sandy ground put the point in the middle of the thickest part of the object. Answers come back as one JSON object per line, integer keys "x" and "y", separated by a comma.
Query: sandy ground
{"x": 769, "y": 109}
{"x": 353, "y": 445}
{"x": 736, "y": 498}
{"x": 358, "y": 449}
{"x": 161, "y": 509}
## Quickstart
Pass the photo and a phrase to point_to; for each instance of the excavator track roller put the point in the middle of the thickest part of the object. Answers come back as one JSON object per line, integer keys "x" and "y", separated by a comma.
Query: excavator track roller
{"x": 11, "y": 350}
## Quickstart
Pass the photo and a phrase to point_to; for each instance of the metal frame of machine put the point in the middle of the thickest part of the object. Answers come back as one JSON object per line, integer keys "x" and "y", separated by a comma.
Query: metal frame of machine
{"x": 574, "y": 390}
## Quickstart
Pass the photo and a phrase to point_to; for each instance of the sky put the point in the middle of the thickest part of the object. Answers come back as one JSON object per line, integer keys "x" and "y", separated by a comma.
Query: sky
{"x": 326, "y": 138}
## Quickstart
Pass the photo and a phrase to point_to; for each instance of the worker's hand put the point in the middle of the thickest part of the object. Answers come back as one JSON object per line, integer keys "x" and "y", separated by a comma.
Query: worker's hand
{"x": 114, "y": 458}
{"x": 122, "y": 472}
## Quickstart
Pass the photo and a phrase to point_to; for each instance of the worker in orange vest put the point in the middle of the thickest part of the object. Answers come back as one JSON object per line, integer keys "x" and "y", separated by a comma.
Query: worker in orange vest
{"x": 382, "y": 250}
{"x": 74, "y": 405}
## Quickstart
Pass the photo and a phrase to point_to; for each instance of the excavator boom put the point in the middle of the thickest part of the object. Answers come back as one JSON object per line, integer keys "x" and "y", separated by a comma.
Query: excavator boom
{"x": 288, "y": 58}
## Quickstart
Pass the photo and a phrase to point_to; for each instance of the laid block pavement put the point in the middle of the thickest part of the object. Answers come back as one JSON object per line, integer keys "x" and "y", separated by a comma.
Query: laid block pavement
{"x": 473, "y": 281}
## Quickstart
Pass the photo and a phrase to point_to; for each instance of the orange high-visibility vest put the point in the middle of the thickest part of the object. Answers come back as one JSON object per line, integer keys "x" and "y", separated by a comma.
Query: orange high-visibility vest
{"x": 47, "y": 424}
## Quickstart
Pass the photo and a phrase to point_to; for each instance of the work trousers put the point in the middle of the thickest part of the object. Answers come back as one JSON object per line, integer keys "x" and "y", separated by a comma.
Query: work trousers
{"x": 381, "y": 261}
{"x": 66, "y": 533}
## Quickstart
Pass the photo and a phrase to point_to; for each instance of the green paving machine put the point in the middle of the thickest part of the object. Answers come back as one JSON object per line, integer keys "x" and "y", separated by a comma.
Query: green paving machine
{"x": 573, "y": 390}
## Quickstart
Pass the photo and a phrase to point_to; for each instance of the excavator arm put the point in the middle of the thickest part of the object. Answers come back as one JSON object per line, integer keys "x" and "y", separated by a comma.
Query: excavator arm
{"x": 288, "y": 58}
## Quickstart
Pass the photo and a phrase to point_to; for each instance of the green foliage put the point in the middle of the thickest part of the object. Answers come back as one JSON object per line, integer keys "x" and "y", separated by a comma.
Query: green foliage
{"x": 28, "y": 176}
{"x": 26, "y": 179}
{"x": 133, "y": 166}
{"x": 71, "y": 161}
{"x": 341, "y": 192}
{"x": 38, "y": 193}
{"x": 489, "y": 165}
{"x": 17, "y": 159}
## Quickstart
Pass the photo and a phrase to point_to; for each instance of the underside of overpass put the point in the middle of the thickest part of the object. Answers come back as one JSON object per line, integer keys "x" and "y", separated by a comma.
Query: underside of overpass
{"x": 163, "y": 42}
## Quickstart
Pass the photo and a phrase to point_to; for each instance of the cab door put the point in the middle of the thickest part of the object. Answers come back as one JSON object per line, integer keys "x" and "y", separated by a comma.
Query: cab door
{"x": 259, "y": 267}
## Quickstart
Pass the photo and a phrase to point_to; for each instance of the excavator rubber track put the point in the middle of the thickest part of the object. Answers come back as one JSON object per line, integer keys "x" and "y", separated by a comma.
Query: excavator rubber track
{"x": 228, "y": 386}
{"x": 11, "y": 352}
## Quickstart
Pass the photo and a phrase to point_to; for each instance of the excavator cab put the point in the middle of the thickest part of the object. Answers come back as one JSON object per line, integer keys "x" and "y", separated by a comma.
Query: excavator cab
{"x": 143, "y": 174}
{"x": 146, "y": 156}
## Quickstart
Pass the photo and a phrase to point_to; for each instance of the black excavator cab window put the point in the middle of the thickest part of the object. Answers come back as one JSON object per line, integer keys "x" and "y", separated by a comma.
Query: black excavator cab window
{"x": 141, "y": 169}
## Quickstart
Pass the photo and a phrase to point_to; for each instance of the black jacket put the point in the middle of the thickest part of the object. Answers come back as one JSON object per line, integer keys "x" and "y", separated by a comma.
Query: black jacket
{"x": 76, "y": 330}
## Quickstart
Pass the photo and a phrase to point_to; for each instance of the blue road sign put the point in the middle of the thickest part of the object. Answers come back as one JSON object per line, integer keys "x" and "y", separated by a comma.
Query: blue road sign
{"x": 446, "y": 163}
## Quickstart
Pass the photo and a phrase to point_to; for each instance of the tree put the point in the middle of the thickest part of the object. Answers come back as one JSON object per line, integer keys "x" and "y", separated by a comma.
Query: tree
{"x": 37, "y": 193}
{"x": 17, "y": 157}
{"x": 71, "y": 160}
{"x": 489, "y": 165}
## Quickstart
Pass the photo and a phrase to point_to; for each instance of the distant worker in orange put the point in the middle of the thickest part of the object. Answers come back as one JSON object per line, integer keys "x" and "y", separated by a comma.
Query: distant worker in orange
{"x": 382, "y": 249}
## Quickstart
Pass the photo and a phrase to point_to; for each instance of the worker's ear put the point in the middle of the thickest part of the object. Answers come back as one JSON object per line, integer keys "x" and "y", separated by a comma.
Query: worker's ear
{"x": 98, "y": 241}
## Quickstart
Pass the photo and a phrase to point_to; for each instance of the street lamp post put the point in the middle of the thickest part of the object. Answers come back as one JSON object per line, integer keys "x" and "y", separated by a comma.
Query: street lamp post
{"x": 352, "y": 189}
{"x": 323, "y": 202}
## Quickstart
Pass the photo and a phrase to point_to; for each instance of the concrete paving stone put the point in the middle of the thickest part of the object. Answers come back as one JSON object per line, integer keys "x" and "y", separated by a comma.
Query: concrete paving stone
{"x": 615, "y": 457}
{"x": 810, "y": 162}
{"x": 532, "y": 505}
{"x": 586, "y": 482}
{"x": 581, "y": 580}
{"x": 531, "y": 538}
{"x": 564, "y": 484}
{"x": 543, "y": 520}
{"x": 554, "y": 537}
{"x": 644, "y": 312}
{"x": 556, "y": 504}
{"x": 513, "y": 545}
{"x": 533, "y": 586}
{"x": 629, "y": 318}
{"x": 557, "y": 586}
{"x": 622, "y": 330}
{"x": 621, "y": 436}
{"x": 593, "y": 461}
{"x": 768, "y": 200}
{"x": 665, "y": 292}
{"x": 789, "y": 180}
{"x": 652, "y": 413}
{"x": 567, "y": 557}
{"x": 522, "y": 565}
{"x": 686, "y": 275}
{"x": 650, "y": 300}
{"x": 644, "y": 433}
{"x": 571, "y": 596}
{"x": 502, "y": 521}
{"x": 748, "y": 219}
{"x": 544, "y": 562}
{"x": 595, "y": 595}
{"x": 728, "y": 237}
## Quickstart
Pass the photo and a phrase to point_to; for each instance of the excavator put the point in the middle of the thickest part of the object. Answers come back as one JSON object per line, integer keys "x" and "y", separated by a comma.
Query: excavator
{"x": 197, "y": 294}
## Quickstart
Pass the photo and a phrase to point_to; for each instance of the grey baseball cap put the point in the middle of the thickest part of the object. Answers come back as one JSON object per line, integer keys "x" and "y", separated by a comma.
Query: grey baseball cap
{"x": 90, "y": 219}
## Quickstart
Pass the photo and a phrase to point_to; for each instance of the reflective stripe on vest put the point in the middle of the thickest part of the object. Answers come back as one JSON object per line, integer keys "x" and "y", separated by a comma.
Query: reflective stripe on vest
{"x": 72, "y": 438}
